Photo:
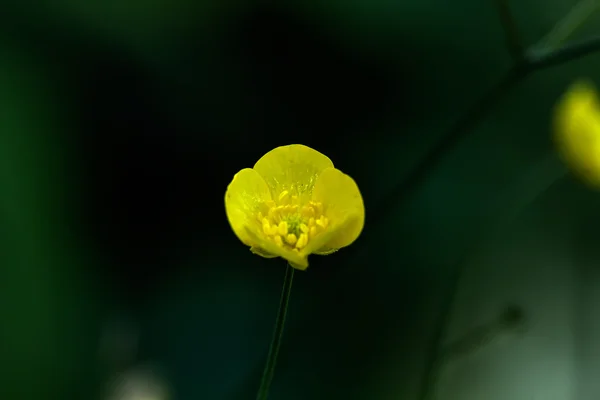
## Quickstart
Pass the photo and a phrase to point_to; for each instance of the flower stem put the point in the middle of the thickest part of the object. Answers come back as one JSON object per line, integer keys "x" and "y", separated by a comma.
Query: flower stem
{"x": 269, "y": 371}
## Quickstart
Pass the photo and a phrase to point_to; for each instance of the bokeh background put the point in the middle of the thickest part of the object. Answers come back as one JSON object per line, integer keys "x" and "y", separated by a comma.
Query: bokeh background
{"x": 121, "y": 124}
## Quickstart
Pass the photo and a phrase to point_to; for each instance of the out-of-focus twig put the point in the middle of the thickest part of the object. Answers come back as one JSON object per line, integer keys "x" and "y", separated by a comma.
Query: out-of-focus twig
{"x": 538, "y": 59}
{"x": 511, "y": 31}
{"x": 525, "y": 63}
{"x": 478, "y": 337}
{"x": 533, "y": 60}
{"x": 566, "y": 27}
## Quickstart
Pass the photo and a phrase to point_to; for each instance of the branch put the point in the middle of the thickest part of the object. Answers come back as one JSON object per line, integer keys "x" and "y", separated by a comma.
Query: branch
{"x": 511, "y": 32}
{"x": 460, "y": 129}
{"x": 538, "y": 59}
{"x": 567, "y": 26}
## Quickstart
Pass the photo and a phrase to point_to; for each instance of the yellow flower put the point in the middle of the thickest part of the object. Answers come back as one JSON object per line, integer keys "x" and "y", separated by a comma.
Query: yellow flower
{"x": 294, "y": 203}
{"x": 577, "y": 131}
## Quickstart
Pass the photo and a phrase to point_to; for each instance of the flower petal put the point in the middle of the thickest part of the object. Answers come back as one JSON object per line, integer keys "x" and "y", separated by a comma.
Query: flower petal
{"x": 262, "y": 253}
{"x": 243, "y": 198}
{"x": 294, "y": 168}
{"x": 577, "y": 131}
{"x": 344, "y": 206}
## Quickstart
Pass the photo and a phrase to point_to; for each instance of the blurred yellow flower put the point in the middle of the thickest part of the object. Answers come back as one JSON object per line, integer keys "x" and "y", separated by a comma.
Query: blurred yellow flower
{"x": 294, "y": 203}
{"x": 577, "y": 131}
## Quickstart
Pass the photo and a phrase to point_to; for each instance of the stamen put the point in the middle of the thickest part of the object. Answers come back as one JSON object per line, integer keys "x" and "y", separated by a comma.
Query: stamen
{"x": 291, "y": 224}
{"x": 282, "y": 228}
{"x": 266, "y": 226}
{"x": 322, "y": 222}
{"x": 278, "y": 241}
{"x": 302, "y": 241}
{"x": 291, "y": 239}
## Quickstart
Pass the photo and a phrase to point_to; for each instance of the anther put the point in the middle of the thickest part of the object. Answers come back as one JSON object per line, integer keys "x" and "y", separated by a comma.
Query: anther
{"x": 302, "y": 241}
{"x": 282, "y": 229}
{"x": 278, "y": 240}
{"x": 290, "y": 224}
{"x": 291, "y": 239}
{"x": 266, "y": 226}
{"x": 322, "y": 222}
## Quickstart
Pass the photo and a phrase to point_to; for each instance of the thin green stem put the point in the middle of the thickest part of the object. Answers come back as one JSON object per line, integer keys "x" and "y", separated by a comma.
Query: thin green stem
{"x": 269, "y": 371}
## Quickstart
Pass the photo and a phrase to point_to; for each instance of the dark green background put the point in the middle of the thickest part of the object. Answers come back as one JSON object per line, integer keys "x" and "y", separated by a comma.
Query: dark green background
{"x": 121, "y": 124}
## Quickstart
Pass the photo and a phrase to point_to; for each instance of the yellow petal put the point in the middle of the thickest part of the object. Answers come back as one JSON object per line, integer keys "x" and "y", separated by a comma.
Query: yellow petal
{"x": 344, "y": 206}
{"x": 261, "y": 252}
{"x": 243, "y": 198}
{"x": 577, "y": 131}
{"x": 294, "y": 168}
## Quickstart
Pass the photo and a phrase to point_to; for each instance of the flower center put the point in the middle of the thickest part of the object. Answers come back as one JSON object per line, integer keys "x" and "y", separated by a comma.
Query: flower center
{"x": 291, "y": 224}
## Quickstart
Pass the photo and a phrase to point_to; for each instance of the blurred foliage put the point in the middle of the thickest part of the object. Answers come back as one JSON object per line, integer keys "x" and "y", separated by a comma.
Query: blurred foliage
{"x": 123, "y": 122}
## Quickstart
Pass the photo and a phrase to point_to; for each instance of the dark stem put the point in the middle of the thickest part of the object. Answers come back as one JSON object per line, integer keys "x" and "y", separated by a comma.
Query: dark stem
{"x": 539, "y": 59}
{"x": 269, "y": 371}
{"x": 511, "y": 32}
{"x": 462, "y": 127}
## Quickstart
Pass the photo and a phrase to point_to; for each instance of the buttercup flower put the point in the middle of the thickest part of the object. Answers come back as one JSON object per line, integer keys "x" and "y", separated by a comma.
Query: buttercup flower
{"x": 294, "y": 203}
{"x": 577, "y": 131}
